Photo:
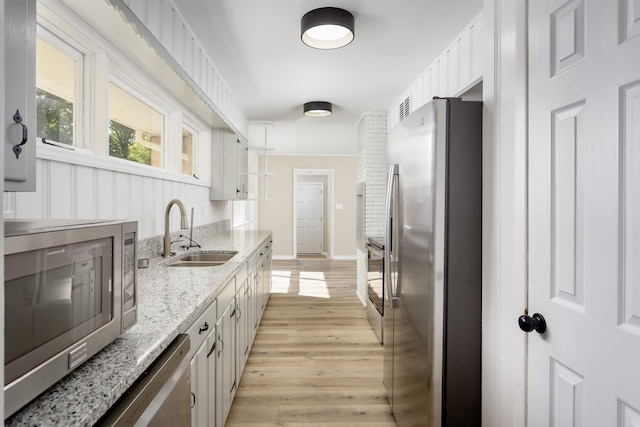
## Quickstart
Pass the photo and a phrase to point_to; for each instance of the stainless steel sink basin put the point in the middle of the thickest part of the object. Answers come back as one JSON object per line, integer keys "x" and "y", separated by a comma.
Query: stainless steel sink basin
{"x": 209, "y": 256}
{"x": 203, "y": 259}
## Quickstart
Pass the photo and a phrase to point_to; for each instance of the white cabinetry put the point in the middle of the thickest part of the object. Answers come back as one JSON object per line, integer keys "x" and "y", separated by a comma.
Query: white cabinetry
{"x": 225, "y": 354}
{"x": 203, "y": 369}
{"x": 222, "y": 336}
{"x": 20, "y": 95}
{"x": 202, "y": 338}
{"x": 242, "y": 321}
{"x": 229, "y": 162}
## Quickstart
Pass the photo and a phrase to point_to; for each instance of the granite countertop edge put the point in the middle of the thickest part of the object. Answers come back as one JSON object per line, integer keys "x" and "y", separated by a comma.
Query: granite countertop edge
{"x": 169, "y": 300}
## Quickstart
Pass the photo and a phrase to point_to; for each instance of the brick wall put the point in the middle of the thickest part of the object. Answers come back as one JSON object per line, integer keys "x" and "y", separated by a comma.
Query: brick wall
{"x": 372, "y": 169}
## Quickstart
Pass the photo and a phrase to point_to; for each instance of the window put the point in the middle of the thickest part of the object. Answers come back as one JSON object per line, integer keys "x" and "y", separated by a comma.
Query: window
{"x": 58, "y": 89}
{"x": 135, "y": 129}
{"x": 189, "y": 142}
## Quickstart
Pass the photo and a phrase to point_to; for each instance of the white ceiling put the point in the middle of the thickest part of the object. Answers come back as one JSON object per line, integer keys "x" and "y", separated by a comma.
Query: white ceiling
{"x": 256, "y": 46}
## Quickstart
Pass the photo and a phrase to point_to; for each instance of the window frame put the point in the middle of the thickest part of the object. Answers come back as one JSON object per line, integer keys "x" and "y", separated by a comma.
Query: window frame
{"x": 104, "y": 62}
{"x": 144, "y": 96}
{"x": 195, "y": 148}
{"x": 57, "y": 39}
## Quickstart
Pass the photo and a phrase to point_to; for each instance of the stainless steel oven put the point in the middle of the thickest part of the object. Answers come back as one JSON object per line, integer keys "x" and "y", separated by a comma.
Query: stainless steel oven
{"x": 375, "y": 285}
{"x": 69, "y": 291}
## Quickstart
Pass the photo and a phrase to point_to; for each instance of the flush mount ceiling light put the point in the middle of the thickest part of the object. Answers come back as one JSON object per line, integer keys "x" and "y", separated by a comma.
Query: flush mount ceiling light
{"x": 317, "y": 109}
{"x": 327, "y": 28}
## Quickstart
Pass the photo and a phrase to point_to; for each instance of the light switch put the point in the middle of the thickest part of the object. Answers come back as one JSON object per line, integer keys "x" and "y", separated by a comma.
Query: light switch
{"x": 339, "y": 206}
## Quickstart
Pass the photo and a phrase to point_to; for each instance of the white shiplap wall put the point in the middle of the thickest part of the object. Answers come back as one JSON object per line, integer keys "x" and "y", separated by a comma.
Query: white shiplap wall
{"x": 161, "y": 24}
{"x": 457, "y": 69}
{"x": 67, "y": 190}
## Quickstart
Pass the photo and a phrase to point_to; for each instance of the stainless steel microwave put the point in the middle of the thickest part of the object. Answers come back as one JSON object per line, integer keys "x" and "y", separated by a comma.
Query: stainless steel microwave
{"x": 70, "y": 289}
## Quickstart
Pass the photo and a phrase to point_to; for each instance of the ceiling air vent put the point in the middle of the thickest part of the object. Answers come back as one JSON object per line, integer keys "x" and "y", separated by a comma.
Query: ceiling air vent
{"x": 404, "y": 108}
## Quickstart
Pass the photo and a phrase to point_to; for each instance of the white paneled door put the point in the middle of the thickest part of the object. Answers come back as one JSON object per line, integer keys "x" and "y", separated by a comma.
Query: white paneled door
{"x": 309, "y": 206}
{"x": 584, "y": 212}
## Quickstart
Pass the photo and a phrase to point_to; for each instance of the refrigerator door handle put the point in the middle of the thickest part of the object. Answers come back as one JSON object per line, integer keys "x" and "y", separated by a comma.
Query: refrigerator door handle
{"x": 391, "y": 187}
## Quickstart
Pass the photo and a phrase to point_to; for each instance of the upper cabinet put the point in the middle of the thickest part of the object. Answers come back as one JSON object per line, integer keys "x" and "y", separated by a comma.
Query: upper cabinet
{"x": 160, "y": 23}
{"x": 229, "y": 163}
{"x": 19, "y": 89}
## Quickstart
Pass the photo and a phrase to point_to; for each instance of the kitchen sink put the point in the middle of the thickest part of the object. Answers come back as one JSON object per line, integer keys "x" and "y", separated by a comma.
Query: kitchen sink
{"x": 203, "y": 259}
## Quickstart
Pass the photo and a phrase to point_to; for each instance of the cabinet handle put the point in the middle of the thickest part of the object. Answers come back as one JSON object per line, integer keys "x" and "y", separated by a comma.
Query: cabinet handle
{"x": 221, "y": 346}
{"x": 17, "y": 149}
{"x": 193, "y": 396}
{"x": 211, "y": 350}
{"x": 239, "y": 313}
{"x": 205, "y": 327}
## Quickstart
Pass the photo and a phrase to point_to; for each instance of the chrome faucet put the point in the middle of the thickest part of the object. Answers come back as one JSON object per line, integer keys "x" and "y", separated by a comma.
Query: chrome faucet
{"x": 183, "y": 225}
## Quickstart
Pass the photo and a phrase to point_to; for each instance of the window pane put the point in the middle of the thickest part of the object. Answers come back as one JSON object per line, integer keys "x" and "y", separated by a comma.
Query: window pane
{"x": 135, "y": 129}
{"x": 55, "y": 93}
{"x": 188, "y": 144}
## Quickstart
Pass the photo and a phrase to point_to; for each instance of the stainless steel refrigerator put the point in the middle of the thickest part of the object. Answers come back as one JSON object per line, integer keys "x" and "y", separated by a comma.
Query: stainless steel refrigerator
{"x": 432, "y": 314}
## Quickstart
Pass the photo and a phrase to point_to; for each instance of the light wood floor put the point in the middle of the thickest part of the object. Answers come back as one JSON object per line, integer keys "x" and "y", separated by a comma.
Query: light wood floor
{"x": 315, "y": 361}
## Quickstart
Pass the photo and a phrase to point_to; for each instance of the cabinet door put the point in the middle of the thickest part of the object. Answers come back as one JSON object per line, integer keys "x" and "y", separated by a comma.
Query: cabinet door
{"x": 225, "y": 363}
{"x": 241, "y": 331}
{"x": 230, "y": 160}
{"x": 252, "y": 306}
{"x": 20, "y": 95}
{"x": 202, "y": 376}
{"x": 243, "y": 168}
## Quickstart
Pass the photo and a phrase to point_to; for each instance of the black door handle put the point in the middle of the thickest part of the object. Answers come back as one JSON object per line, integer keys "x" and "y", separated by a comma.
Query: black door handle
{"x": 532, "y": 323}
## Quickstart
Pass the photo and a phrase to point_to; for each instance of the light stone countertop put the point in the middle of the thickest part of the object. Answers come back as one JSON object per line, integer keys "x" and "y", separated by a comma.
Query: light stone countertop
{"x": 170, "y": 299}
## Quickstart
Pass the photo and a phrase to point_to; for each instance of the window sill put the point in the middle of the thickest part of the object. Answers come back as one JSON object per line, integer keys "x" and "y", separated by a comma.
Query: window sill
{"x": 82, "y": 157}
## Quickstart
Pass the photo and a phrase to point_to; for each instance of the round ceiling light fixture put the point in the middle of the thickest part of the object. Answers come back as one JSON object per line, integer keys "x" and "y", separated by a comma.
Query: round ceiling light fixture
{"x": 318, "y": 109}
{"x": 327, "y": 28}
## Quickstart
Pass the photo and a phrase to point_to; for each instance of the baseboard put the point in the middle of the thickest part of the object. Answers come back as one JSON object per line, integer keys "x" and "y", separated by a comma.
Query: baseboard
{"x": 345, "y": 257}
{"x": 283, "y": 257}
{"x": 362, "y": 298}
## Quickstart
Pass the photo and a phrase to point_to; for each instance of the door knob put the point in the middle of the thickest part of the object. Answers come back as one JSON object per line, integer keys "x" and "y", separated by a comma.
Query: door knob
{"x": 532, "y": 323}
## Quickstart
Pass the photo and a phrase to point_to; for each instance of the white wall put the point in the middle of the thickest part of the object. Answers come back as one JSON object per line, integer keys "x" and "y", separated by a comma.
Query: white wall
{"x": 66, "y": 190}
{"x": 504, "y": 213}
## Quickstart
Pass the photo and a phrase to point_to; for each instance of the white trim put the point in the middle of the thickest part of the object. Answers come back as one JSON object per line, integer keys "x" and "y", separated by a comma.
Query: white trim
{"x": 104, "y": 63}
{"x": 504, "y": 213}
{"x": 283, "y": 257}
{"x": 89, "y": 159}
{"x": 345, "y": 257}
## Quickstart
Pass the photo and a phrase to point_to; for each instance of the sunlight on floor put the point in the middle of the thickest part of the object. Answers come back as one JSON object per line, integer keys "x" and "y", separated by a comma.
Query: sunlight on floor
{"x": 313, "y": 284}
{"x": 280, "y": 282}
{"x": 308, "y": 284}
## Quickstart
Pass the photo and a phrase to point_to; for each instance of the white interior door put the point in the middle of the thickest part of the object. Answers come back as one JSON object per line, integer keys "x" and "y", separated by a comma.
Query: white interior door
{"x": 309, "y": 205}
{"x": 584, "y": 212}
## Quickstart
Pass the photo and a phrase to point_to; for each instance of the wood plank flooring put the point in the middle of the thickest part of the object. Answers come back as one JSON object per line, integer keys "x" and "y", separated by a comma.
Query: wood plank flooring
{"x": 315, "y": 361}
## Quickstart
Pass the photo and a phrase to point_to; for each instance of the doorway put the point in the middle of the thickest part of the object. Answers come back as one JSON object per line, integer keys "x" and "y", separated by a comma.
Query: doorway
{"x": 313, "y": 219}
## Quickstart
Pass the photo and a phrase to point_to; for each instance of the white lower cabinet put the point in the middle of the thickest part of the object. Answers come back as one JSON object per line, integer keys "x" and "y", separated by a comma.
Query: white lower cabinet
{"x": 225, "y": 359}
{"x": 221, "y": 340}
{"x": 202, "y": 338}
{"x": 203, "y": 373}
{"x": 242, "y": 337}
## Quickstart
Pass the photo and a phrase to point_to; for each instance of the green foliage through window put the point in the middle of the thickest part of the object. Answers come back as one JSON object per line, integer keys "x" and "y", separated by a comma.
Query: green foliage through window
{"x": 123, "y": 144}
{"x": 54, "y": 117}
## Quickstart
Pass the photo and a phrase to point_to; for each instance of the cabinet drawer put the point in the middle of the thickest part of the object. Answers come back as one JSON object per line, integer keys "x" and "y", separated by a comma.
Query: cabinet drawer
{"x": 201, "y": 328}
{"x": 241, "y": 275}
{"x": 226, "y": 295}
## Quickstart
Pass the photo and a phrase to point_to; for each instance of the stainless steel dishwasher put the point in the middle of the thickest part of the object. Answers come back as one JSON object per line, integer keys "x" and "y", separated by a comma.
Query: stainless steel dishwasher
{"x": 162, "y": 394}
